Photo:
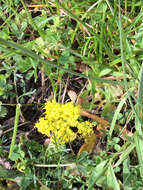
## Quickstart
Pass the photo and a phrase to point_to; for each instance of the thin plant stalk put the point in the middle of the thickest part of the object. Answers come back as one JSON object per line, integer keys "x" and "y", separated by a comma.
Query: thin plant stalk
{"x": 15, "y": 130}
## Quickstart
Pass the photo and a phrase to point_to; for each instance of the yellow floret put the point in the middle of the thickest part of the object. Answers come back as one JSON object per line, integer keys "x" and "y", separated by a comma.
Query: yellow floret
{"x": 85, "y": 128}
{"x": 58, "y": 120}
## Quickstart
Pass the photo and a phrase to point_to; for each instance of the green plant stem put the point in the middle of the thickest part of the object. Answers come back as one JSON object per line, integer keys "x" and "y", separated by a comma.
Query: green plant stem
{"x": 33, "y": 104}
{"x": 15, "y": 129}
{"x": 54, "y": 165}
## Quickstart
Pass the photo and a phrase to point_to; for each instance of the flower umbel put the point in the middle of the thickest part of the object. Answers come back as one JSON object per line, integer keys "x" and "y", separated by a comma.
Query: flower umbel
{"x": 58, "y": 120}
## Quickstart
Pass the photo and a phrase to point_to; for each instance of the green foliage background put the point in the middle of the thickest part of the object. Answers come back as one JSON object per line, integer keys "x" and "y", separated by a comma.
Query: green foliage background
{"x": 53, "y": 36}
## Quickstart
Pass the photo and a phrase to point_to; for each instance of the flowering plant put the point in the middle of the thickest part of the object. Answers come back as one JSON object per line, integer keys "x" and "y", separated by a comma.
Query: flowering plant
{"x": 59, "y": 119}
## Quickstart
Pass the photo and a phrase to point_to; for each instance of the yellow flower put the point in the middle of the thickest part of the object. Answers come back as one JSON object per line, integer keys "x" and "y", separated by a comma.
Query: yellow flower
{"x": 58, "y": 120}
{"x": 85, "y": 128}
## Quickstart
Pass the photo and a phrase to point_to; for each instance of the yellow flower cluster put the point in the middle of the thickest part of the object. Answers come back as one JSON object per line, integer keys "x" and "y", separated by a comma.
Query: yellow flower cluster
{"x": 58, "y": 120}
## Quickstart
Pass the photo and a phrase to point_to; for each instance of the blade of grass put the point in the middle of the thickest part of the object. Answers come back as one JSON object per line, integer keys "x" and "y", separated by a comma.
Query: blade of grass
{"x": 134, "y": 22}
{"x": 97, "y": 173}
{"x": 84, "y": 16}
{"x": 30, "y": 19}
{"x": 116, "y": 185}
{"x": 118, "y": 60}
{"x": 109, "y": 52}
{"x": 30, "y": 53}
{"x": 140, "y": 101}
{"x": 137, "y": 138}
{"x": 140, "y": 88}
{"x": 8, "y": 19}
{"x": 125, "y": 154}
{"x": 126, "y": 173}
{"x": 124, "y": 66}
{"x": 102, "y": 33}
{"x": 120, "y": 105}
{"x": 122, "y": 50}
{"x": 139, "y": 148}
{"x": 139, "y": 134}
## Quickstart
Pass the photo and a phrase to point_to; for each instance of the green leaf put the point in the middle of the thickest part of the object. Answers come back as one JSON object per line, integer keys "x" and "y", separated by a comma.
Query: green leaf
{"x": 105, "y": 72}
{"x": 27, "y": 94}
{"x": 98, "y": 175}
{"x": 111, "y": 179}
{"x": 126, "y": 174}
{"x": 3, "y": 110}
{"x": 22, "y": 64}
{"x": 115, "y": 117}
{"x": 14, "y": 156}
{"x": 125, "y": 154}
{"x": 9, "y": 174}
{"x": 25, "y": 181}
{"x": 1, "y": 91}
